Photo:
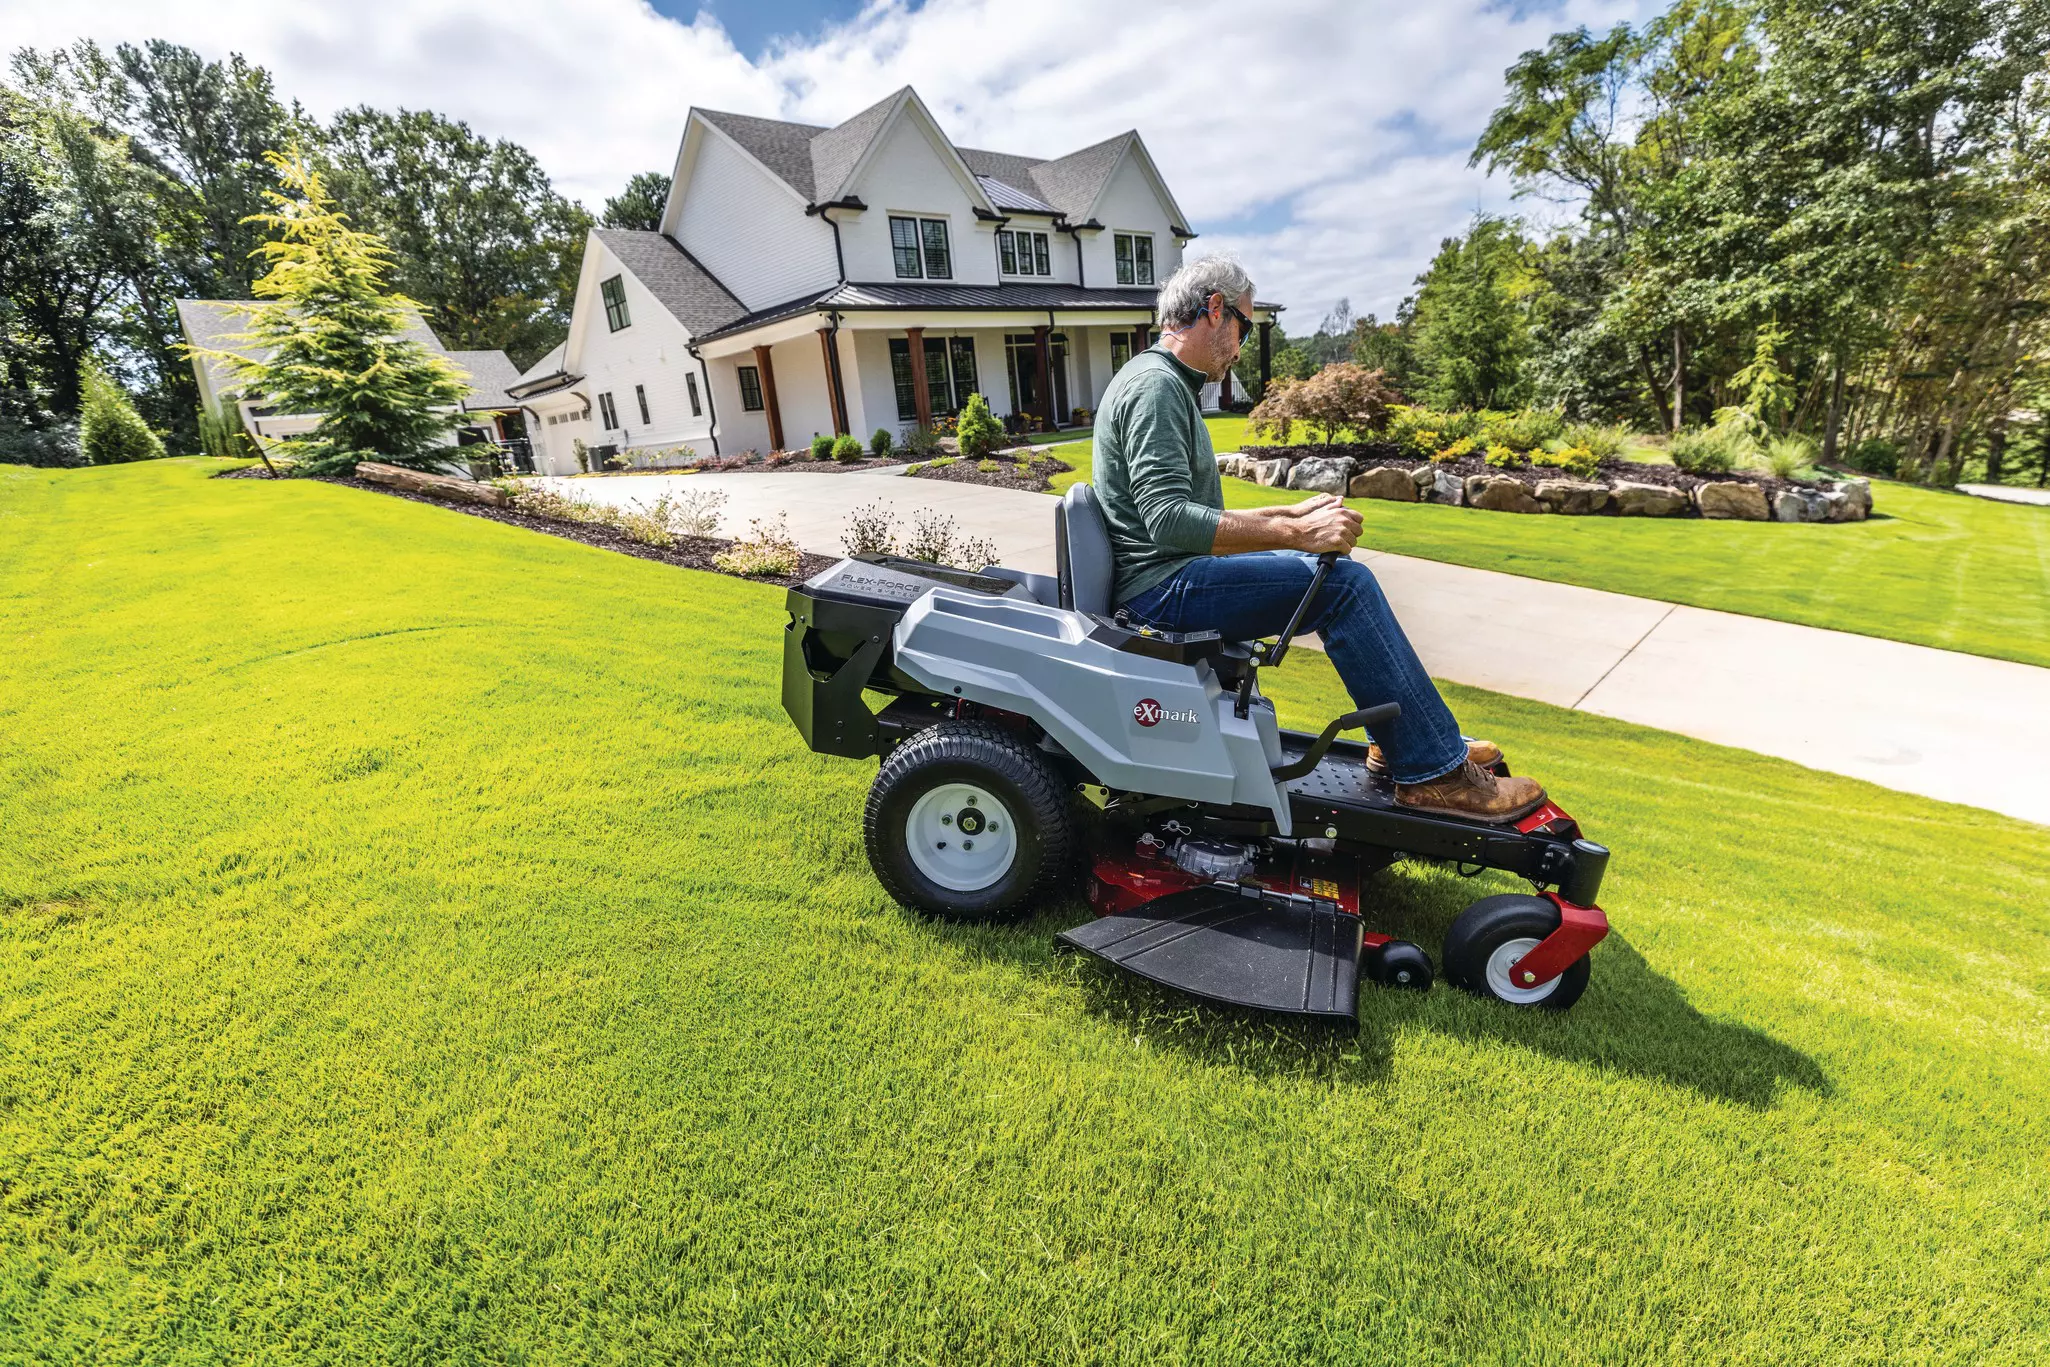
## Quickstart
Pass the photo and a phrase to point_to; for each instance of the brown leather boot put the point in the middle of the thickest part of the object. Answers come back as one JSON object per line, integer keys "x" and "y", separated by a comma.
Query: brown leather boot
{"x": 1485, "y": 753}
{"x": 1472, "y": 792}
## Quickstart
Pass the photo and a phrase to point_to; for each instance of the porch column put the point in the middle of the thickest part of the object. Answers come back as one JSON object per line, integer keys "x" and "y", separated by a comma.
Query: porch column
{"x": 923, "y": 394}
{"x": 833, "y": 391}
{"x": 1045, "y": 352}
{"x": 1266, "y": 354}
{"x": 1224, "y": 393}
{"x": 768, "y": 373}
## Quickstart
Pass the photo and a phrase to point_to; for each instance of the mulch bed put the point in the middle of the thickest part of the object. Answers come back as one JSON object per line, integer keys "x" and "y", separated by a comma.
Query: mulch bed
{"x": 1011, "y": 473}
{"x": 1371, "y": 454}
{"x": 689, "y": 552}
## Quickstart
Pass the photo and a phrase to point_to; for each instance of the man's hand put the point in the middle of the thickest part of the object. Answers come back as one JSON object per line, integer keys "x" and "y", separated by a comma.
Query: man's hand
{"x": 1317, "y": 524}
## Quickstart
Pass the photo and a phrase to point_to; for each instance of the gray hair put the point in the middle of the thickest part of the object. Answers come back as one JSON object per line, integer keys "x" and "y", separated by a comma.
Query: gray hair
{"x": 1187, "y": 292}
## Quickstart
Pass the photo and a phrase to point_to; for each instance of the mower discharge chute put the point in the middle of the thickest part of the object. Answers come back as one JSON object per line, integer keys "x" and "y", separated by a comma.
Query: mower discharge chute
{"x": 1029, "y": 731}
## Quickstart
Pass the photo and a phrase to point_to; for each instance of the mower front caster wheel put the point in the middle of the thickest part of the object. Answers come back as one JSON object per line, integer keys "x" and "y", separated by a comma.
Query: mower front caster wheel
{"x": 1493, "y": 934}
{"x": 1401, "y": 964}
{"x": 968, "y": 822}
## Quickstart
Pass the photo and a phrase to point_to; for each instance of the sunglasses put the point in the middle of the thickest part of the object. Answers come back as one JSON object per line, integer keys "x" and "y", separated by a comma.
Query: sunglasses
{"x": 1245, "y": 323}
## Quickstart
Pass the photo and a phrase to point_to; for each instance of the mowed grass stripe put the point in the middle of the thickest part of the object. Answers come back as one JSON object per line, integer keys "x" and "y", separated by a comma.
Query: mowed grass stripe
{"x": 427, "y": 940}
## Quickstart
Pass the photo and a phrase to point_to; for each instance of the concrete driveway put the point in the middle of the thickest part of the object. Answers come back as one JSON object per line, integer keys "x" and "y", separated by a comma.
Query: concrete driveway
{"x": 1956, "y": 727}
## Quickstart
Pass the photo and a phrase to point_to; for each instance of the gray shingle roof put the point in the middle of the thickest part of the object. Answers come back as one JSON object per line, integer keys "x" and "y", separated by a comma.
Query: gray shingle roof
{"x": 213, "y": 325}
{"x": 784, "y": 148}
{"x": 491, "y": 374}
{"x": 1071, "y": 183}
{"x": 689, "y": 291}
{"x": 834, "y": 152}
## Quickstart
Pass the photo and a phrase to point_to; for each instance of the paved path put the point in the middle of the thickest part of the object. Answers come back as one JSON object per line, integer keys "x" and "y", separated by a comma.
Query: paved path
{"x": 1957, "y": 727}
{"x": 2007, "y": 493}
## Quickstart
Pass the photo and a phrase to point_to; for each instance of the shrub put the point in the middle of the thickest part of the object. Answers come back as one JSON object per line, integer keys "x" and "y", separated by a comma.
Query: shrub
{"x": 821, "y": 447}
{"x": 1340, "y": 397}
{"x": 848, "y": 449}
{"x": 1787, "y": 457}
{"x": 49, "y": 447}
{"x": 775, "y": 460}
{"x": 695, "y": 512}
{"x": 1703, "y": 451}
{"x": 989, "y": 467}
{"x": 979, "y": 431}
{"x": 1079, "y": 417}
{"x": 648, "y": 525}
{"x": 881, "y": 442}
{"x": 914, "y": 467}
{"x": 767, "y": 551}
{"x": 222, "y": 434}
{"x": 1605, "y": 440}
{"x": 1577, "y": 461}
{"x": 1503, "y": 458}
{"x": 1875, "y": 456}
{"x": 920, "y": 441}
{"x": 941, "y": 462}
{"x": 1524, "y": 429}
{"x": 110, "y": 431}
{"x": 1465, "y": 446}
{"x": 583, "y": 454}
{"x": 1424, "y": 431}
{"x": 936, "y": 538}
{"x": 871, "y": 530}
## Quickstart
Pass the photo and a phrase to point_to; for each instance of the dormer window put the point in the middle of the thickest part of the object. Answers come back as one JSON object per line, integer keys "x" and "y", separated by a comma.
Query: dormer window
{"x": 1021, "y": 253}
{"x": 919, "y": 247}
{"x": 613, "y": 291}
{"x": 1135, "y": 258}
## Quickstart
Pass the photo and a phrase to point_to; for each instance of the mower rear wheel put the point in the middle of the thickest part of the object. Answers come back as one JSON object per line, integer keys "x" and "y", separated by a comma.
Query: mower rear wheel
{"x": 967, "y": 822}
{"x": 1494, "y": 933}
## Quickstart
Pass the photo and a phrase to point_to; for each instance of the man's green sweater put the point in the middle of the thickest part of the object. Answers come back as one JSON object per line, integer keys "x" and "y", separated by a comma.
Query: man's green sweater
{"x": 1156, "y": 472}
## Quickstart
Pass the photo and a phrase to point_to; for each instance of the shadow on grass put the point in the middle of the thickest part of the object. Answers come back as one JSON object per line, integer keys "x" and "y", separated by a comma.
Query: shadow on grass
{"x": 1633, "y": 1019}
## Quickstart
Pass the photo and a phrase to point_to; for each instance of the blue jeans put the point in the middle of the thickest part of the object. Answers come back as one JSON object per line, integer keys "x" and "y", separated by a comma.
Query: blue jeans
{"x": 1246, "y": 596}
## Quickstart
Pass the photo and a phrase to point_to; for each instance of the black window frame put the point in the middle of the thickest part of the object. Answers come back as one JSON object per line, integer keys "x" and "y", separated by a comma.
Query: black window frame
{"x": 919, "y": 258}
{"x": 958, "y": 349}
{"x": 690, "y": 384}
{"x": 641, "y": 398}
{"x": 751, "y": 389}
{"x": 1120, "y": 341}
{"x": 1029, "y": 253}
{"x": 898, "y": 249}
{"x": 945, "y": 269}
{"x": 1143, "y": 260}
{"x": 1007, "y": 252}
{"x": 613, "y": 292}
{"x": 608, "y": 415}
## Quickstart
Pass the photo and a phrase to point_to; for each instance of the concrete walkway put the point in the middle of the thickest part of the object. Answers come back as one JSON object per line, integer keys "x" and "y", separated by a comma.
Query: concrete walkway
{"x": 2007, "y": 493}
{"x": 1956, "y": 727}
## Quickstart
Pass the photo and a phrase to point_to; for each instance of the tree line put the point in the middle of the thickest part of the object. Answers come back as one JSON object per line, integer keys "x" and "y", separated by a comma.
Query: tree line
{"x": 132, "y": 178}
{"x": 1832, "y": 215}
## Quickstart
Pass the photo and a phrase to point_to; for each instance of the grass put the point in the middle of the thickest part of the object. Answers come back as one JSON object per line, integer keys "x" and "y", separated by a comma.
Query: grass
{"x": 1930, "y": 567}
{"x": 425, "y": 941}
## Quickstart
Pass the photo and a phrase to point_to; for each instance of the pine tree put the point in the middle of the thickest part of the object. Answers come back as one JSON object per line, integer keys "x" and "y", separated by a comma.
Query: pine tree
{"x": 332, "y": 341}
{"x": 978, "y": 431}
{"x": 110, "y": 431}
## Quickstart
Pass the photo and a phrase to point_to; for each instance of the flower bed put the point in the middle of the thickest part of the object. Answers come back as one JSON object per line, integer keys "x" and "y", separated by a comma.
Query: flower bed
{"x": 1033, "y": 474}
{"x": 1613, "y": 488}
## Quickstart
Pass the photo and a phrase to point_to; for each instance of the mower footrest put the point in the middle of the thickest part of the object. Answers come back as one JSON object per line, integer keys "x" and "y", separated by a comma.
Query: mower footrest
{"x": 1242, "y": 947}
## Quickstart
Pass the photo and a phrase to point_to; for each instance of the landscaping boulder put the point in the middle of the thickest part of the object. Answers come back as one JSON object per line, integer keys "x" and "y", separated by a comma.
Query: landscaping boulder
{"x": 1802, "y": 505}
{"x": 1320, "y": 474}
{"x": 1272, "y": 472}
{"x": 1384, "y": 481}
{"x": 1857, "y": 504}
{"x": 444, "y": 487}
{"x": 1237, "y": 466}
{"x": 1500, "y": 494}
{"x": 1647, "y": 500}
{"x": 1445, "y": 487}
{"x": 1424, "y": 476}
{"x": 1732, "y": 499}
{"x": 1572, "y": 495}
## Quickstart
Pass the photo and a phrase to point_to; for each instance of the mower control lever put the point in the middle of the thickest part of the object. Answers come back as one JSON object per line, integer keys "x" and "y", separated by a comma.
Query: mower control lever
{"x": 1302, "y": 609}
{"x": 1365, "y": 717}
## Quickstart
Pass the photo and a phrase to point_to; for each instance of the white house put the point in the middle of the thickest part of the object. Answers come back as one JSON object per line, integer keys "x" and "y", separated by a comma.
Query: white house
{"x": 814, "y": 280}
{"x": 213, "y": 325}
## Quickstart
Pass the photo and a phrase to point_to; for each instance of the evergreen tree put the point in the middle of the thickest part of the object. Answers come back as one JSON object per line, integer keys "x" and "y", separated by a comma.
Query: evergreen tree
{"x": 333, "y": 342}
{"x": 1469, "y": 331}
{"x": 640, "y": 204}
{"x": 110, "y": 431}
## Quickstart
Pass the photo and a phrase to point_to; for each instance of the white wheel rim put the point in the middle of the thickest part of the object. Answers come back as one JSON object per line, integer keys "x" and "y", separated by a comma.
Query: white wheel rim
{"x": 961, "y": 837}
{"x": 1507, "y": 953}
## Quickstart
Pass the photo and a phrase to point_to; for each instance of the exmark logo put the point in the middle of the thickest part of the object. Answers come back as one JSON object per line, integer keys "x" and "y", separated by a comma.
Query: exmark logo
{"x": 1149, "y": 712}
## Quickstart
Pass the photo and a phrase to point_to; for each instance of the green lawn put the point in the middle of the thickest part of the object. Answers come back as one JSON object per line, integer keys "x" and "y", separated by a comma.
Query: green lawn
{"x": 1930, "y": 567}
{"x": 426, "y": 941}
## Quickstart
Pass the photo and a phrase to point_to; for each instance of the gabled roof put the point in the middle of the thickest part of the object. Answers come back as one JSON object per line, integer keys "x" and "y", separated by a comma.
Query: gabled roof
{"x": 491, "y": 374}
{"x": 685, "y": 288}
{"x": 215, "y": 324}
{"x": 815, "y": 161}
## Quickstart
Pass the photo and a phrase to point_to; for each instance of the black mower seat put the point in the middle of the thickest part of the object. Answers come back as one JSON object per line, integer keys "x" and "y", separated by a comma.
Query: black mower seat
{"x": 1085, "y": 572}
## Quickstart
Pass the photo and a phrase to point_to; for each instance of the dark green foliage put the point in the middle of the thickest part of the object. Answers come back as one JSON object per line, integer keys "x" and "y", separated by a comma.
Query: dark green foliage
{"x": 848, "y": 449}
{"x": 110, "y": 431}
{"x": 821, "y": 447}
{"x": 54, "y": 446}
{"x": 978, "y": 431}
{"x": 1470, "y": 333}
{"x": 881, "y": 442}
{"x": 640, "y": 204}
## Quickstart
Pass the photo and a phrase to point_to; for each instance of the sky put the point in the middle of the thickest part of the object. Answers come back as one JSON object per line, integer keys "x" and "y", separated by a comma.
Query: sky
{"x": 1324, "y": 142}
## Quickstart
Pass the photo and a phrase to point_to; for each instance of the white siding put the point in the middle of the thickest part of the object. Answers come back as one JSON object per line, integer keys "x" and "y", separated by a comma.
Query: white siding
{"x": 1129, "y": 205}
{"x": 739, "y": 430}
{"x": 749, "y": 230}
{"x": 650, "y": 352}
{"x": 908, "y": 175}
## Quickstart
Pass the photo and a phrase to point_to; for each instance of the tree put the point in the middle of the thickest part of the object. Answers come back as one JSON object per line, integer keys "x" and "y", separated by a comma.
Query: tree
{"x": 110, "y": 431}
{"x": 332, "y": 341}
{"x": 1387, "y": 347}
{"x": 1469, "y": 331}
{"x": 1340, "y": 397}
{"x": 640, "y": 204}
{"x": 477, "y": 233}
{"x": 978, "y": 430}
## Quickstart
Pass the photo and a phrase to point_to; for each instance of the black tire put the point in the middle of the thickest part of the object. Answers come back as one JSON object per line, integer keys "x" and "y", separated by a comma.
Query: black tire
{"x": 1402, "y": 964}
{"x": 1485, "y": 928}
{"x": 1006, "y": 768}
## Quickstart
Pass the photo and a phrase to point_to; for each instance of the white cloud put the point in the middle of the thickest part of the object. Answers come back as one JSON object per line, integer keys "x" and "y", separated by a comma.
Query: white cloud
{"x": 1353, "y": 118}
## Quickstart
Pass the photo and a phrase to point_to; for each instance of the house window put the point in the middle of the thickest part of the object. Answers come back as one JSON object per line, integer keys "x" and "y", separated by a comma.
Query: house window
{"x": 1135, "y": 258}
{"x": 1120, "y": 350}
{"x": 949, "y": 375}
{"x": 614, "y": 294}
{"x": 641, "y": 397}
{"x": 1025, "y": 253}
{"x": 606, "y": 413}
{"x": 750, "y": 389}
{"x": 919, "y": 248}
{"x": 690, "y": 382}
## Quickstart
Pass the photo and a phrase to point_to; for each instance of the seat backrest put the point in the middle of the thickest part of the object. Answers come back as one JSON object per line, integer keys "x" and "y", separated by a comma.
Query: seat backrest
{"x": 1081, "y": 548}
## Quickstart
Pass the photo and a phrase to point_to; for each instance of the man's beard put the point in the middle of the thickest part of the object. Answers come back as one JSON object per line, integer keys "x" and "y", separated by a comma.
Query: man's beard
{"x": 1223, "y": 358}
